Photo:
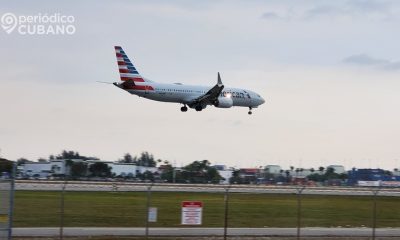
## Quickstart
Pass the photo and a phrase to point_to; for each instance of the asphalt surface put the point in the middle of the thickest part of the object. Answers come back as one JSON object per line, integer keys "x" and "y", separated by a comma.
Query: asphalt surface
{"x": 160, "y": 187}
{"x": 342, "y": 232}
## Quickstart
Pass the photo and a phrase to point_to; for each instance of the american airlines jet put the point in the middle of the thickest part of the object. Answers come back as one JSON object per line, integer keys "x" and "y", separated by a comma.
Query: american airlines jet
{"x": 197, "y": 97}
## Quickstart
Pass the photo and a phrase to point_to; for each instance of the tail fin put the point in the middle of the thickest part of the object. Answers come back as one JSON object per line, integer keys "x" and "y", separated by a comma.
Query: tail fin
{"x": 126, "y": 69}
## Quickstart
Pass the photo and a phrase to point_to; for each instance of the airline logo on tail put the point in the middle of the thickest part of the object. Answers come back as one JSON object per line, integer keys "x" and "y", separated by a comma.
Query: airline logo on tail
{"x": 126, "y": 69}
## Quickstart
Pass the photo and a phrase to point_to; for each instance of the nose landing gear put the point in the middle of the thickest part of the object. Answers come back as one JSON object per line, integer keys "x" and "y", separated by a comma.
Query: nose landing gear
{"x": 250, "y": 112}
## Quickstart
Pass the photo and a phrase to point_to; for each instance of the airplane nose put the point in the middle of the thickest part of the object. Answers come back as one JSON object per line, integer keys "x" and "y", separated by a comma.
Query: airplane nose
{"x": 262, "y": 101}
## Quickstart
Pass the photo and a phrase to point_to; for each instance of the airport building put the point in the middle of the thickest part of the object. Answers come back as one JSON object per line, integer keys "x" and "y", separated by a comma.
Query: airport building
{"x": 301, "y": 172}
{"x": 396, "y": 172}
{"x": 372, "y": 177}
{"x": 226, "y": 174}
{"x": 249, "y": 175}
{"x": 44, "y": 170}
{"x": 339, "y": 169}
{"x": 129, "y": 169}
{"x": 273, "y": 169}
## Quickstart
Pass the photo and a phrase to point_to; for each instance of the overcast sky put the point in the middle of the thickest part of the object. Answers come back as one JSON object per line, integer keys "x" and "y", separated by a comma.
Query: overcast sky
{"x": 329, "y": 71}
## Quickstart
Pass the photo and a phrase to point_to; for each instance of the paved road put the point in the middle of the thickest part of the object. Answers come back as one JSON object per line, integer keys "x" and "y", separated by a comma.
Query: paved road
{"x": 126, "y": 186}
{"x": 350, "y": 232}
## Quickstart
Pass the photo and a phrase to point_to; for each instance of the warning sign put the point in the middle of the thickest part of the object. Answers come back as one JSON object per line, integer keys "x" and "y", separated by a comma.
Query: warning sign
{"x": 153, "y": 214}
{"x": 192, "y": 212}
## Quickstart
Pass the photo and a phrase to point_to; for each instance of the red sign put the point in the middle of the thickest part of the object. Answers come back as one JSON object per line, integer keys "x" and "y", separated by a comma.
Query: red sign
{"x": 192, "y": 212}
{"x": 192, "y": 204}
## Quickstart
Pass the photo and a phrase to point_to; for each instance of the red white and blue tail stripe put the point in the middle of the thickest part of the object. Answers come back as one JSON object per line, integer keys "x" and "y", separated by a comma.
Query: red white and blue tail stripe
{"x": 126, "y": 69}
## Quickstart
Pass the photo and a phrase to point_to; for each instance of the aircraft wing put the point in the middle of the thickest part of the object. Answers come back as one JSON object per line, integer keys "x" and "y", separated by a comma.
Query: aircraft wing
{"x": 210, "y": 96}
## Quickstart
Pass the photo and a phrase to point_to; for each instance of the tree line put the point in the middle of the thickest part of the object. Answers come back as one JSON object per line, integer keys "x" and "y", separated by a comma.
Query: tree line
{"x": 195, "y": 172}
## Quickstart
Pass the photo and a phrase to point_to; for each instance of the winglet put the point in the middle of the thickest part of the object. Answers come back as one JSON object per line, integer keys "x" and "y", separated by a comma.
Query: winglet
{"x": 219, "y": 81}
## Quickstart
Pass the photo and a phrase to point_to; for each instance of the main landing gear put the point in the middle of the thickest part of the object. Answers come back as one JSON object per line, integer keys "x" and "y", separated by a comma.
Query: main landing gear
{"x": 198, "y": 108}
{"x": 184, "y": 108}
{"x": 250, "y": 112}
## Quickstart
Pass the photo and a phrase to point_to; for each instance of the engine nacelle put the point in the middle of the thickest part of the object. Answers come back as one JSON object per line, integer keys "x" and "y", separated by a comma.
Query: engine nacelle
{"x": 224, "y": 102}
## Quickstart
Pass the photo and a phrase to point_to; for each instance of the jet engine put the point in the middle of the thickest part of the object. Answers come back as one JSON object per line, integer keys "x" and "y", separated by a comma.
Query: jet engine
{"x": 223, "y": 102}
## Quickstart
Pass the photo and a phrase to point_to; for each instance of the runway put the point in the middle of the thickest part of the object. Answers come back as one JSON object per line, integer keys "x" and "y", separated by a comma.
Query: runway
{"x": 315, "y": 232}
{"x": 165, "y": 187}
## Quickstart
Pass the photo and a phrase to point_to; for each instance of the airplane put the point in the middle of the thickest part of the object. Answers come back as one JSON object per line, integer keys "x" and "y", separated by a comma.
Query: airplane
{"x": 195, "y": 97}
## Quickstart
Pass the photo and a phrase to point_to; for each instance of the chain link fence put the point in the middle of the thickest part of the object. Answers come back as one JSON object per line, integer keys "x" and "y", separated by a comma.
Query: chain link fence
{"x": 6, "y": 205}
{"x": 149, "y": 210}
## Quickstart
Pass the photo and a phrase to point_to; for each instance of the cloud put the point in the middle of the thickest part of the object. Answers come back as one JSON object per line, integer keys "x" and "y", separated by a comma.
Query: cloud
{"x": 270, "y": 15}
{"x": 369, "y": 5}
{"x": 366, "y": 60}
{"x": 323, "y": 11}
{"x": 393, "y": 66}
{"x": 377, "y": 10}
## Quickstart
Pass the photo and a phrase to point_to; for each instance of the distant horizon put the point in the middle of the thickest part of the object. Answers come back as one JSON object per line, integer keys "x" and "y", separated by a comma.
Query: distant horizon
{"x": 213, "y": 164}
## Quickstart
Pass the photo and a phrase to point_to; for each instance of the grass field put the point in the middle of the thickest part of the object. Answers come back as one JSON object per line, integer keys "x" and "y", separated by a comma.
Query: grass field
{"x": 127, "y": 209}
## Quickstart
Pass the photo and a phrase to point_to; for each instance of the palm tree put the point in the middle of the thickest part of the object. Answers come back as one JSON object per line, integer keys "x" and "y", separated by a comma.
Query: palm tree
{"x": 287, "y": 175}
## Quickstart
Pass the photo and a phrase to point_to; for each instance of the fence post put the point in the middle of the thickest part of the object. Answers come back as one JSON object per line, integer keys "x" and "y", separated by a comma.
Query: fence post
{"x": 11, "y": 207}
{"x": 63, "y": 186}
{"x": 148, "y": 208}
{"x": 299, "y": 189}
{"x": 375, "y": 192}
{"x": 226, "y": 201}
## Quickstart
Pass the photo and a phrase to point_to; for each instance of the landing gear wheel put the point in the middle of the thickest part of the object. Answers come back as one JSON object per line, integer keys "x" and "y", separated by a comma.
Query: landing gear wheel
{"x": 184, "y": 109}
{"x": 250, "y": 112}
{"x": 199, "y": 108}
